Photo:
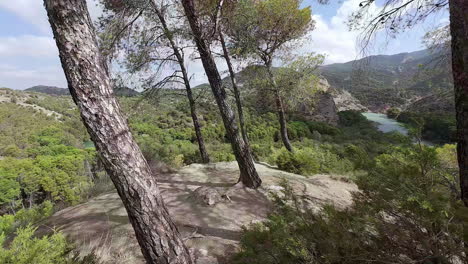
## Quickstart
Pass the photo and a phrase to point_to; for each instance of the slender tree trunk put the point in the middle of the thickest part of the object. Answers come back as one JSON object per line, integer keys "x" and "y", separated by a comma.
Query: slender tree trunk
{"x": 237, "y": 96}
{"x": 180, "y": 59}
{"x": 248, "y": 173}
{"x": 280, "y": 109}
{"x": 459, "y": 32}
{"x": 91, "y": 89}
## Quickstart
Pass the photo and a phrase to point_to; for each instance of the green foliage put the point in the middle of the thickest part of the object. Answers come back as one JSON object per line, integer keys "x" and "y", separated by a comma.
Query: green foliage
{"x": 25, "y": 216}
{"x": 405, "y": 212}
{"x": 311, "y": 160}
{"x": 42, "y": 156}
{"x": 323, "y": 128}
{"x": 436, "y": 127}
{"x": 351, "y": 118}
{"x": 25, "y": 249}
{"x": 358, "y": 156}
{"x": 297, "y": 130}
{"x": 393, "y": 112}
{"x": 60, "y": 176}
{"x": 32, "y": 215}
{"x": 6, "y": 223}
{"x": 301, "y": 129}
{"x": 265, "y": 26}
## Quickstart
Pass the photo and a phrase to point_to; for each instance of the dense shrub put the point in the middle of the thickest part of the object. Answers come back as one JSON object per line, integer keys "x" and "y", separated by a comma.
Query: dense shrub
{"x": 25, "y": 249}
{"x": 323, "y": 128}
{"x": 311, "y": 160}
{"x": 404, "y": 213}
{"x": 393, "y": 112}
{"x": 351, "y": 118}
{"x": 358, "y": 156}
{"x": 297, "y": 130}
{"x": 435, "y": 127}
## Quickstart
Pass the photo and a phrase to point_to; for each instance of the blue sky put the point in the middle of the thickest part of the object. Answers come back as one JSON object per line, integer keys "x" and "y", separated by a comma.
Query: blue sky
{"x": 28, "y": 55}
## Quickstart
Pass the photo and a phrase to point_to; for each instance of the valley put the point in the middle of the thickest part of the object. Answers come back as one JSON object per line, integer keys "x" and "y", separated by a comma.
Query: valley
{"x": 233, "y": 132}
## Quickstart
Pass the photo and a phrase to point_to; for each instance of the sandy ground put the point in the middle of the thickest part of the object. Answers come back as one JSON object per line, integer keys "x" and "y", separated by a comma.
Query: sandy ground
{"x": 212, "y": 232}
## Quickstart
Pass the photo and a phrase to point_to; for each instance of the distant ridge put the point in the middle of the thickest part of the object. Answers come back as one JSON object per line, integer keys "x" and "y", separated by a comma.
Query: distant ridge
{"x": 384, "y": 81}
{"x": 51, "y": 90}
{"x": 57, "y": 91}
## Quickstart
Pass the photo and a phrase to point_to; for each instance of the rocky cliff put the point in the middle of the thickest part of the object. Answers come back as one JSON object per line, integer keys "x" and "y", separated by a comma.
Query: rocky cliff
{"x": 328, "y": 102}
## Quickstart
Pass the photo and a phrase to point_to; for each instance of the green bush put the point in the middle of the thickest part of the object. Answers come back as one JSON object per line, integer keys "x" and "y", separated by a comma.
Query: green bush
{"x": 351, "y": 118}
{"x": 32, "y": 215}
{"x": 405, "y": 212}
{"x": 436, "y": 127}
{"x": 393, "y": 112}
{"x": 6, "y": 223}
{"x": 25, "y": 249}
{"x": 358, "y": 156}
{"x": 323, "y": 128}
{"x": 299, "y": 162}
{"x": 311, "y": 160}
{"x": 297, "y": 130}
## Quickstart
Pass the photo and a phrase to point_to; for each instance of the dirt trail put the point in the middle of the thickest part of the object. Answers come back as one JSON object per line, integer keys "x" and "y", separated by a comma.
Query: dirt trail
{"x": 212, "y": 232}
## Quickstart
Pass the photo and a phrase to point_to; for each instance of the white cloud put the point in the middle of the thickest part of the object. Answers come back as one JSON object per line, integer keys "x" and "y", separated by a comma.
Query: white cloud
{"x": 38, "y": 48}
{"x": 33, "y": 12}
{"x": 334, "y": 38}
{"x": 20, "y": 78}
{"x": 28, "y": 45}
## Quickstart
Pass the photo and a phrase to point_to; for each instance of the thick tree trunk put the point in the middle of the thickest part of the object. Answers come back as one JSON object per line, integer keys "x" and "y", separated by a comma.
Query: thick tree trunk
{"x": 180, "y": 59}
{"x": 237, "y": 96}
{"x": 248, "y": 173}
{"x": 459, "y": 32}
{"x": 280, "y": 109}
{"x": 91, "y": 89}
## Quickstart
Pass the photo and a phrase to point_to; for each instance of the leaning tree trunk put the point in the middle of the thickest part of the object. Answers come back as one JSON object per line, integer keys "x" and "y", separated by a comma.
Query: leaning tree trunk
{"x": 91, "y": 89}
{"x": 459, "y": 32}
{"x": 237, "y": 96}
{"x": 248, "y": 173}
{"x": 180, "y": 59}
{"x": 280, "y": 109}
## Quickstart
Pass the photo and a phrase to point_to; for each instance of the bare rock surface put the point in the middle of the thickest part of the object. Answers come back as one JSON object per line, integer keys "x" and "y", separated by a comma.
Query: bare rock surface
{"x": 206, "y": 205}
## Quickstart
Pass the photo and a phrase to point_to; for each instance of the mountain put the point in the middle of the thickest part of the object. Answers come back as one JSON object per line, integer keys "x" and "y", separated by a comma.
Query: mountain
{"x": 385, "y": 81}
{"x": 53, "y": 90}
{"x": 327, "y": 100}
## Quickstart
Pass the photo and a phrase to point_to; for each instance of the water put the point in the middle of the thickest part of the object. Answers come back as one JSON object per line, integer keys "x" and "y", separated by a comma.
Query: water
{"x": 88, "y": 144}
{"x": 386, "y": 124}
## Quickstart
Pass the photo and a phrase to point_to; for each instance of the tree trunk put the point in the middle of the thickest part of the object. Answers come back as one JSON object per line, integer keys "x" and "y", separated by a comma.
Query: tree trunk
{"x": 180, "y": 59}
{"x": 248, "y": 173}
{"x": 91, "y": 89}
{"x": 280, "y": 109}
{"x": 237, "y": 96}
{"x": 459, "y": 32}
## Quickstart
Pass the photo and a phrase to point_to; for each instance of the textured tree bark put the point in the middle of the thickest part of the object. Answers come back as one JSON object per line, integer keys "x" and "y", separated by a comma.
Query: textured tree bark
{"x": 280, "y": 109}
{"x": 459, "y": 32}
{"x": 180, "y": 59}
{"x": 91, "y": 89}
{"x": 248, "y": 173}
{"x": 237, "y": 96}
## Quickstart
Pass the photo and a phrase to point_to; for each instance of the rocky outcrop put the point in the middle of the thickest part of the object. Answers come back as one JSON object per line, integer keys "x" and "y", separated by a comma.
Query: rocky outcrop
{"x": 321, "y": 108}
{"x": 324, "y": 110}
{"x": 344, "y": 101}
{"x": 328, "y": 102}
{"x": 212, "y": 232}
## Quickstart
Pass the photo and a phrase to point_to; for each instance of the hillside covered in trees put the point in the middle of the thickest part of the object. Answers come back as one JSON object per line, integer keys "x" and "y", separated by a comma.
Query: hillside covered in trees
{"x": 276, "y": 158}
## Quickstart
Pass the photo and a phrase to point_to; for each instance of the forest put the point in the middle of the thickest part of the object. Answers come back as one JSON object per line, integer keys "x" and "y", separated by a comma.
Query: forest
{"x": 274, "y": 158}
